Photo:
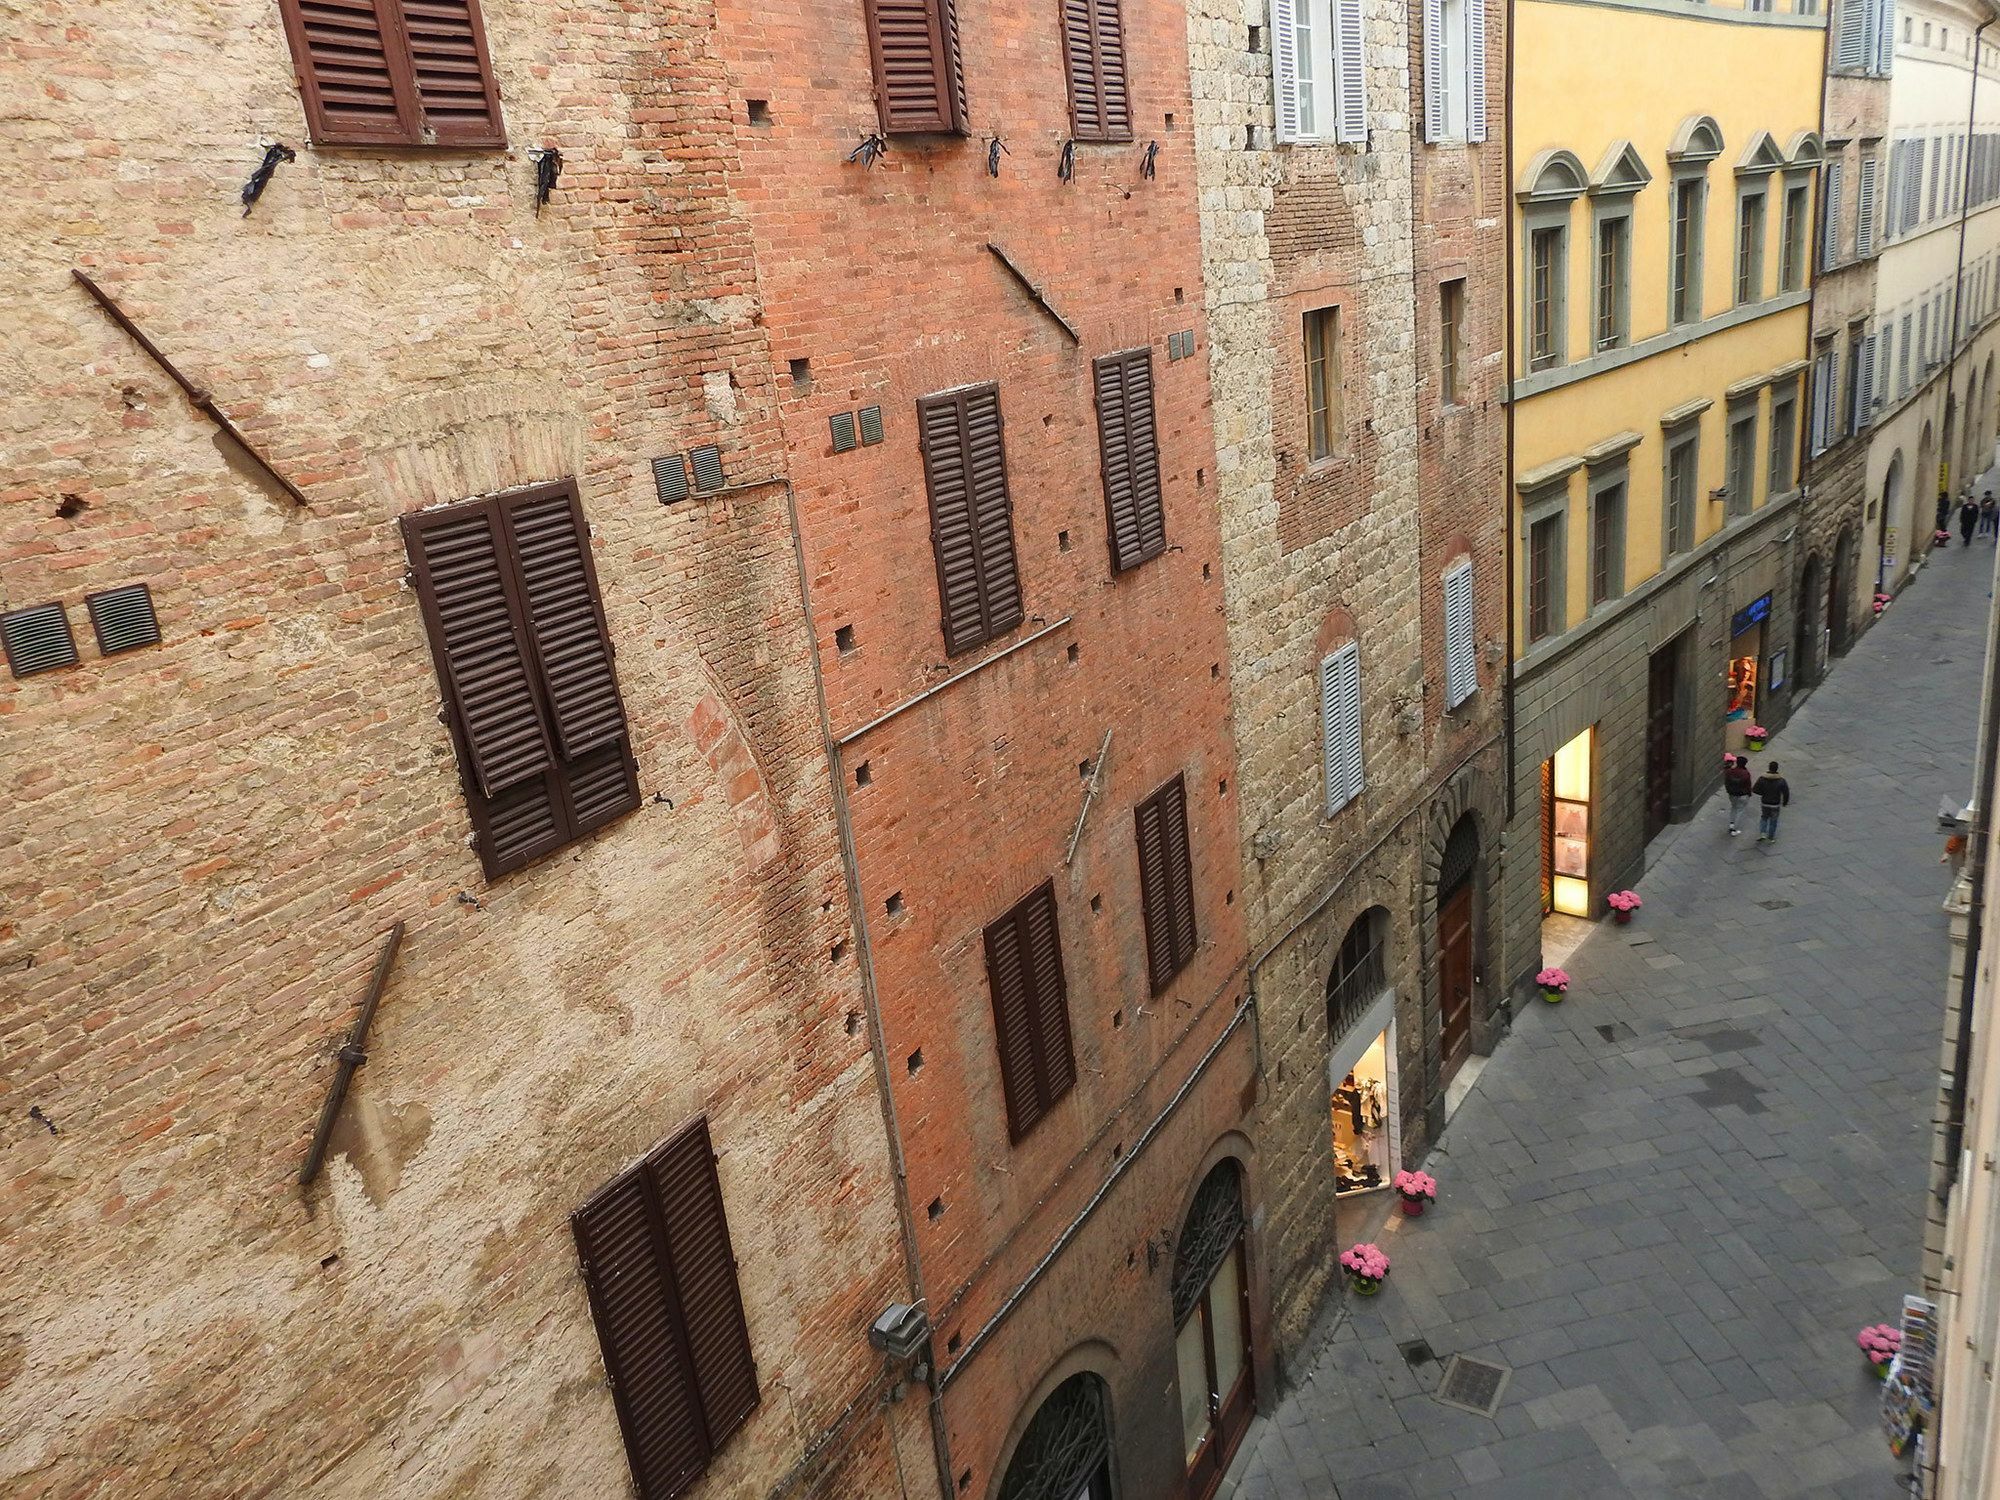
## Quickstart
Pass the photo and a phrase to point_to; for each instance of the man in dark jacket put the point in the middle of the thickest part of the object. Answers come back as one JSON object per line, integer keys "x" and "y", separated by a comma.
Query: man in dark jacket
{"x": 1968, "y": 518}
{"x": 1737, "y": 783}
{"x": 1774, "y": 792}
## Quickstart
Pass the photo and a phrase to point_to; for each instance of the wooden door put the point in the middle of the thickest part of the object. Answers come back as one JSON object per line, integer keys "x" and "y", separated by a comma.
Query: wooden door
{"x": 1212, "y": 1350}
{"x": 1455, "y": 976}
{"x": 1662, "y": 681}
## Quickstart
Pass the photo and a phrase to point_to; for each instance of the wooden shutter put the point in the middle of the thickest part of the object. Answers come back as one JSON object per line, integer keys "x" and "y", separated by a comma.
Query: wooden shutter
{"x": 1829, "y": 246}
{"x": 1030, "y": 1010}
{"x": 1128, "y": 444}
{"x": 654, "y": 1247}
{"x": 1885, "y": 37}
{"x": 1461, "y": 667}
{"x": 1166, "y": 882}
{"x": 1340, "y": 725}
{"x": 1475, "y": 67}
{"x": 1285, "y": 66}
{"x": 1852, "y": 48}
{"x": 972, "y": 518}
{"x": 1434, "y": 69}
{"x": 919, "y": 84}
{"x": 394, "y": 72}
{"x": 1864, "y": 380}
{"x": 1350, "y": 69}
{"x": 1099, "y": 99}
{"x": 1864, "y": 209}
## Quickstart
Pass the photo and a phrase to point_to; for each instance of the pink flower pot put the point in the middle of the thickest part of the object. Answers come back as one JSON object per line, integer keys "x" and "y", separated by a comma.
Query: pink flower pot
{"x": 1622, "y": 917}
{"x": 1414, "y": 1207}
{"x": 1553, "y": 996}
{"x": 1364, "y": 1286}
{"x": 1880, "y": 1372}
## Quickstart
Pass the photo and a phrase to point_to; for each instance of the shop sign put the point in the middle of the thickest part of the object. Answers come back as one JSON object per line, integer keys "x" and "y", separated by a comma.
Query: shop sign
{"x": 1756, "y": 612}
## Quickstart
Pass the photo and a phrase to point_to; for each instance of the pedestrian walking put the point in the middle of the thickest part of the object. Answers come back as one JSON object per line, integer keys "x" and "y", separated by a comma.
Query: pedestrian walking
{"x": 1738, "y": 783}
{"x": 1775, "y": 793}
{"x": 1989, "y": 515}
{"x": 1968, "y": 517}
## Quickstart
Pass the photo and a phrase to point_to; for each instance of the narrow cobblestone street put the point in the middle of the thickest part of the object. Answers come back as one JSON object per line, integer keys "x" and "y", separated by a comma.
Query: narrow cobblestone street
{"x": 1669, "y": 1202}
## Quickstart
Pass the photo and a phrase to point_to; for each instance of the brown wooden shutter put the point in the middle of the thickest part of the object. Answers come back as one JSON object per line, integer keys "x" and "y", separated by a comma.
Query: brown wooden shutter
{"x": 654, "y": 1245}
{"x": 1030, "y": 1010}
{"x": 919, "y": 83}
{"x": 394, "y": 72}
{"x": 1128, "y": 444}
{"x": 1094, "y": 42}
{"x": 1166, "y": 882}
{"x": 972, "y": 517}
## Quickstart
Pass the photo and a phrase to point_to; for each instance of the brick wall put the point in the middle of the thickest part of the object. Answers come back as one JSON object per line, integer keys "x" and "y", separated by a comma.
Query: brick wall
{"x": 210, "y": 837}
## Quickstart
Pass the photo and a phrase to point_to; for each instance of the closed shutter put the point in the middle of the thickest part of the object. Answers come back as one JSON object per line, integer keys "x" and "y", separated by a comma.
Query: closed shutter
{"x": 972, "y": 519}
{"x": 1475, "y": 65}
{"x": 1350, "y": 68}
{"x": 1099, "y": 99}
{"x": 1433, "y": 70}
{"x": 1864, "y": 380}
{"x": 1885, "y": 38}
{"x": 919, "y": 86}
{"x": 1829, "y": 246}
{"x": 654, "y": 1246}
{"x": 1340, "y": 725}
{"x": 1864, "y": 209}
{"x": 1285, "y": 66}
{"x": 1461, "y": 668}
{"x": 1128, "y": 443}
{"x": 1852, "y": 50}
{"x": 394, "y": 72}
{"x": 1030, "y": 1010}
{"x": 1166, "y": 882}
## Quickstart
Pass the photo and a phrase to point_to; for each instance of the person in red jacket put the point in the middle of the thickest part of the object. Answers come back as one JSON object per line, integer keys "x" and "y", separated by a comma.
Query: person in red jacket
{"x": 1737, "y": 782}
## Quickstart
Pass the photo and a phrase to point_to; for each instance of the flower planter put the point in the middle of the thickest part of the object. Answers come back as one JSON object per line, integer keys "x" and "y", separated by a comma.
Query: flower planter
{"x": 1880, "y": 1372}
{"x": 1414, "y": 1207}
{"x": 1553, "y": 996}
{"x": 1364, "y": 1286}
{"x": 1754, "y": 744}
{"x": 1622, "y": 918}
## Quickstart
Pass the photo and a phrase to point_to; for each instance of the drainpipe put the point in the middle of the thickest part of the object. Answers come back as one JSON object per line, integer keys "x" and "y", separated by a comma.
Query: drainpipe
{"x": 1507, "y": 395}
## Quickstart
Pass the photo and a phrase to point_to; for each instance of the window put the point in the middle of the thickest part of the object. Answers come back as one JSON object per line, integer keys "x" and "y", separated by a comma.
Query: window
{"x": 1548, "y": 263}
{"x": 1454, "y": 70}
{"x": 654, "y": 1245}
{"x": 972, "y": 525}
{"x": 1613, "y": 313}
{"x": 394, "y": 73}
{"x": 1792, "y": 255}
{"x": 1829, "y": 228}
{"x": 1750, "y": 248}
{"x": 1683, "y": 455}
{"x": 510, "y": 602}
{"x": 1024, "y": 971}
{"x": 1903, "y": 359}
{"x": 1547, "y": 581}
{"x": 1607, "y": 537}
{"x": 1825, "y": 397}
{"x": 1461, "y": 660}
{"x": 1211, "y": 1333}
{"x": 1166, "y": 882}
{"x": 1128, "y": 444}
{"x": 1742, "y": 460}
{"x": 1065, "y": 1452}
{"x": 1340, "y": 725}
{"x": 1451, "y": 342}
{"x": 1360, "y": 972}
{"x": 1100, "y": 107}
{"x": 1864, "y": 207}
{"x": 1784, "y": 438}
{"x": 1324, "y": 419}
{"x": 919, "y": 81}
{"x": 1860, "y": 354}
{"x": 1684, "y": 296}
{"x": 1318, "y": 70}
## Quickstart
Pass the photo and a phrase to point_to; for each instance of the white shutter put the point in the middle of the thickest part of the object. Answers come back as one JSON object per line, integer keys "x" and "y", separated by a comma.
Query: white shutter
{"x": 1434, "y": 69}
{"x": 1852, "y": 50}
{"x": 1340, "y": 725}
{"x": 1829, "y": 241}
{"x": 1350, "y": 68}
{"x": 1475, "y": 68}
{"x": 1885, "y": 37}
{"x": 1461, "y": 667}
{"x": 1864, "y": 209}
{"x": 1285, "y": 66}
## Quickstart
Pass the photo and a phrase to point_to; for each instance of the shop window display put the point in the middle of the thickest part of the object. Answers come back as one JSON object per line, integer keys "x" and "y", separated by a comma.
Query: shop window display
{"x": 1362, "y": 1111}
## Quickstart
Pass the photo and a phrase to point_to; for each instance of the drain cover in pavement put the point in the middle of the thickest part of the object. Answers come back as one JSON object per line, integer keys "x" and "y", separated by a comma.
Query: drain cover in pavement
{"x": 1473, "y": 1385}
{"x": 1416, "y": 1352}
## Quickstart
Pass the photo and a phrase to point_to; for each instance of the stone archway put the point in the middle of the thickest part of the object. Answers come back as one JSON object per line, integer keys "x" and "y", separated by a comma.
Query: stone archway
{"x": 1840, "y": 593}
{"x": 1924, "y": 498}
{"x": 1892, "y": 532}
{"x": 1471, "y": 798}
{"x": 1808, "y": 612}
{"x": 1984, "y": 420}
{"x": 1065, "y": 1451}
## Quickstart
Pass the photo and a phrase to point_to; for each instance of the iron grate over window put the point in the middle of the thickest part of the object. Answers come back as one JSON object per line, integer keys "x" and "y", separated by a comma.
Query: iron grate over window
{"x": 1360, "y": 972}
{"x": 1214, "y": 1224}
{"x": 707, "y": 467}
{"x": 37, "y": 639}
{"x": 123, "y": 618}
{"x": 1067, "y": 1442}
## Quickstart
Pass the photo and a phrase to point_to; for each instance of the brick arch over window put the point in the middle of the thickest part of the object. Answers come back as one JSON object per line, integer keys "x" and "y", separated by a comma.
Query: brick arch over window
{"x": 1336, "y": 628}
{"x": 1474, "y": 791}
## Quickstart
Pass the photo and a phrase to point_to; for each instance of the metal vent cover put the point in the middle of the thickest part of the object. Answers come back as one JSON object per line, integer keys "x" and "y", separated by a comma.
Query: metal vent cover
{"x": 670, "y": 478}
{"x": 871, "y": 426}
{"x": 707, "y": 467}
{"x": 123, "y": 618}
{"x": 842, "y": 425}
{"x": 37, "y": 639}
{"x": 1473, "y": 1385}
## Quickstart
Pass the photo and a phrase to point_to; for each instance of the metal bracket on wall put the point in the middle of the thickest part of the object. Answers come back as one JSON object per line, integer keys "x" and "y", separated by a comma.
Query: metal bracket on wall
{"x": 197, "y": 397}
{"x": 1029, "y": 286}
{"x": 351, "y": 1057}
{"x": 1089, "y": 792}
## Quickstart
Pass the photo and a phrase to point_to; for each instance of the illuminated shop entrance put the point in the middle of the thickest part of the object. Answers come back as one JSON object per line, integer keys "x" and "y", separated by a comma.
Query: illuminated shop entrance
{"x": 1747, "y": 674}
{"x": 1566, "y": 829}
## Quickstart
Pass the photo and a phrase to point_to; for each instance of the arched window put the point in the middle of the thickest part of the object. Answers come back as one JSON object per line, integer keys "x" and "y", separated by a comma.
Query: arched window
{"x": 1066, "y": 1452}
{"x": 1212, "y": 1327}
{"x": 1360, "y": 970}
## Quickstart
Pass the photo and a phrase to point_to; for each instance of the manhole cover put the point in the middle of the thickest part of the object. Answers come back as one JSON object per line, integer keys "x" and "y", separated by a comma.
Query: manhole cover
{"x": 1416, "y": 1352}
{"x": 1473, "y": 1385}
{"x": 1774, "y": 905}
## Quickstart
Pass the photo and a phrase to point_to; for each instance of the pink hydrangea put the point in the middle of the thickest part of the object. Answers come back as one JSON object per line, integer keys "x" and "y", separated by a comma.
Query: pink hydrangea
{"x": 1756, "y": 732}
{"x": 1416, "y": 1185}
{"x": 1553, "y": 979}
{"x": 1624, "y": 901}
{"x": 1366, "y": 1261}
{"x": 1879, "y": 1341}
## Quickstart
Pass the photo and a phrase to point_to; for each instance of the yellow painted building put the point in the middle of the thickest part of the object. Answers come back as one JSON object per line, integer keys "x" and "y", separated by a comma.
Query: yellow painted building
{"x": 1665, "y": 217}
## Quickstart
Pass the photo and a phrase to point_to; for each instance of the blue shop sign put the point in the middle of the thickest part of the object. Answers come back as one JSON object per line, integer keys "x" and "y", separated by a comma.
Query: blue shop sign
{"x": 1756, "y": 612}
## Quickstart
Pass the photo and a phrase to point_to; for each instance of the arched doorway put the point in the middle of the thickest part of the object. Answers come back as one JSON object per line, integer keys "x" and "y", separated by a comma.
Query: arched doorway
{"x": 1211, "y": 1331}
{"x": 1840, "y": 593}
{"x": 1455, "y": 945}
{"x": 1925, "y": 515}
{"x": 1065, "y": 1453}
{"x": 1892, "y": 537}
{"x": 1805, "y": 641}
{"x": 1983, "y": 419}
